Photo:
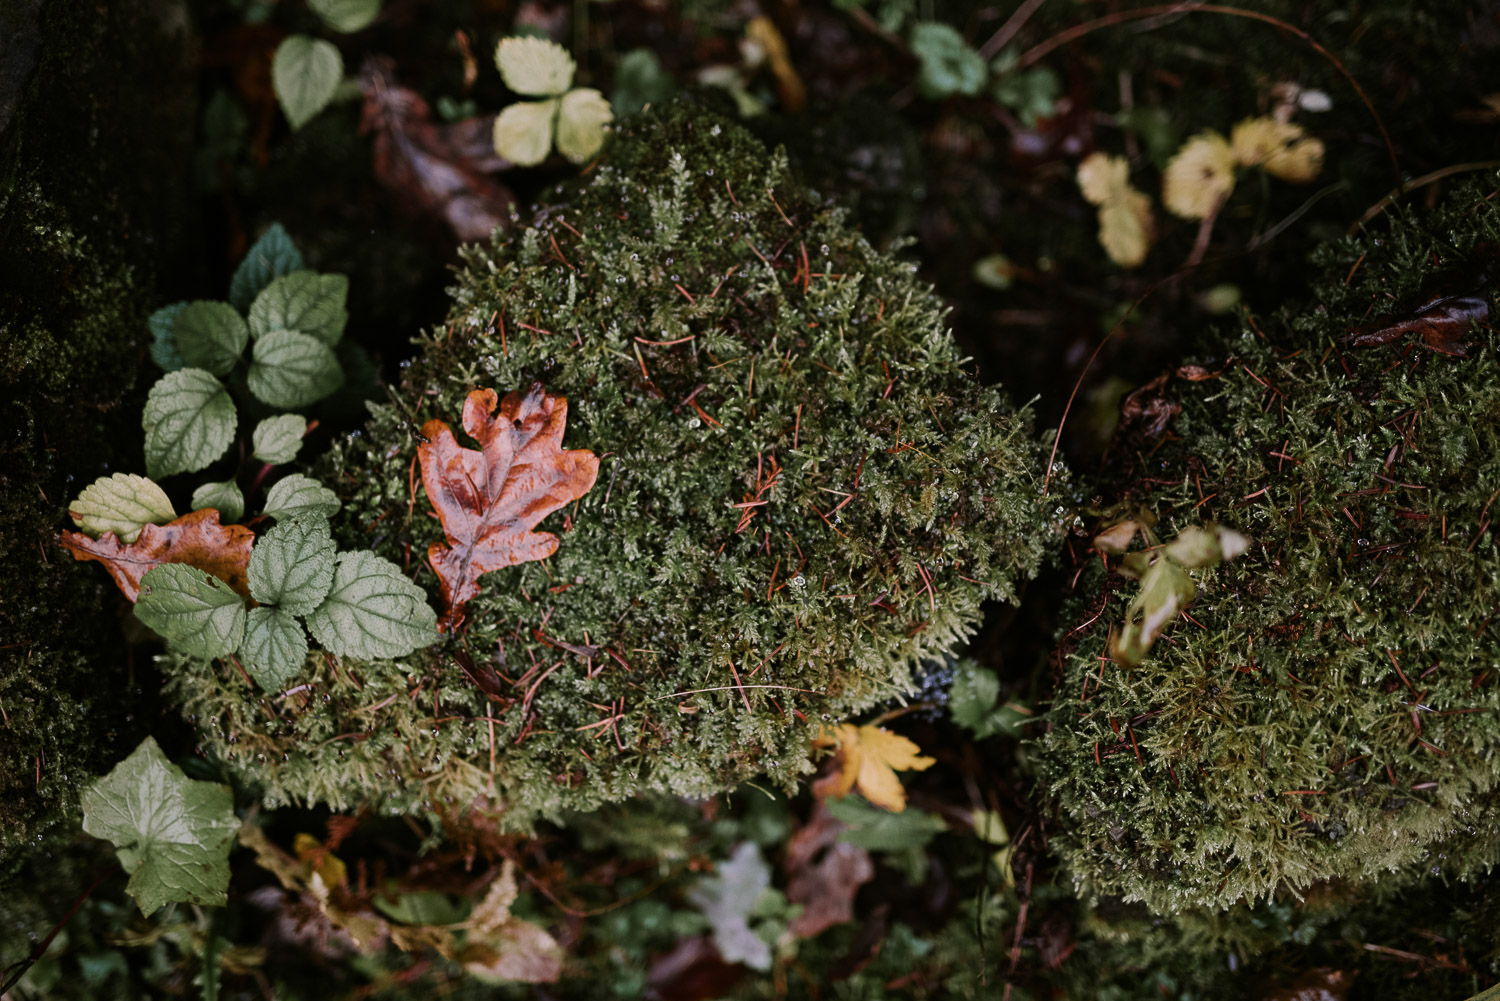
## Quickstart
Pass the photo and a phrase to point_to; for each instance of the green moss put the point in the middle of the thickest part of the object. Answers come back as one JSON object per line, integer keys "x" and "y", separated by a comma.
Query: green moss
{"x": 1329, "y": 710}
{"x": 710, "y": 323}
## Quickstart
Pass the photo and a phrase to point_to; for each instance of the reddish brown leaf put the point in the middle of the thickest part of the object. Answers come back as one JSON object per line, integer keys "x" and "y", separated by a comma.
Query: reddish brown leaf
{"x": 490, "y": 498}
{"x": 823, "y": 874}
{"x": 1451, "y": 304}
{"x": 436, "y": 171}
{"x": 196, "y": 539}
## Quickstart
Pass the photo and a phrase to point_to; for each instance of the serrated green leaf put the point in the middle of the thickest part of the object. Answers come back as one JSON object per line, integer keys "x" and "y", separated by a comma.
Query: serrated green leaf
{"x": 345, "y": 16}
{"x": 210, "y": 335}
{"x": 225, "y": 498}
{"x": 199, "y": 615}
{"x": 123, "y": 503}
{"x": 297, "y": 495}
{"x": 535, "y": 67}
{"x": 971, "y": 700}
{"x": 291, "y": 369}
{"x": 163, "y": 340}
{"x": 189, "y": 421}
{"x": 881, "y": 830}
{"x": 291, "y": 566}
{"x": 172, "y": 834}
{"x": 372, "y": 611}
{"x": 277, "y": 439}
{"x": 303, "y": 301}
{"x": 305, "y": 72}
{"x": 949, "y": 65}
{"x": 275, "y": 647}
{"x": 581, "y": 118}
{"x": 271, "y": 256}
{"x": 523, "y": 132}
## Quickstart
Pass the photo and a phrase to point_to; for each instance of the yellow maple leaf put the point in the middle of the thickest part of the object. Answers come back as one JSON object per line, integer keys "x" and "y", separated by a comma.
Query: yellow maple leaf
{"x": 869, "y": 758}
{"x": 1200, "y": 177}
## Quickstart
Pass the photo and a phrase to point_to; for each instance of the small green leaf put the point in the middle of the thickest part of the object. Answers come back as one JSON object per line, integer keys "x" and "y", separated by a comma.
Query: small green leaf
{"x": 581, "y": 118}
{"x": 210, "y": 336}
{"x": 292, "y": 565}
{"x": 290, "y": 369}
{"x": 640, "y": 80}
{"x": 163, "y": 340}
{"x": 272, "y": 255}
{"x": 305, "y": 72}
{"x": 124, "y": 504}
{"x": 971, "y": 700}
{"x": 535, "y": 67}
{"x": 302, "y": 301}
{"x": 881, "y": 830}
{"x": 275, "y": 647}
{"x": 277, "y": 439}
{"x": 172, "y": 834}
{"x": 299, "y": 495}
{"x": 1031, "y": 94}
{"x": 345, "y": 16}
{"x": 372, "y": 611}
{"x": 950, "y": 65}
{"x": 225, "y": 498}
{"x": 523, "y": 132}
{"x": 189, "y": 421}
{"x": 199, "y": 615}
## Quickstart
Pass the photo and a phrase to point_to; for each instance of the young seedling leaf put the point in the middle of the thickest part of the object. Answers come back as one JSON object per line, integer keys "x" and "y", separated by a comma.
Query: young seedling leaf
{"x": 302, "y": 301}
{"x": 535, "y": 67}
{"x": 971, "y": 701}
{"x": 345, "y": 16}
{"x": 189, "y": 422}
{"x": 581, "y": 118}
{"x": 868, "y": 758}
{"x": 163, "y": 338}
{"x": 274, "y": 648}
{"x": 276, "y": 440}
{"x": 372, "y": 611}
{"x": 123, "y": 504}
{"x": 291, "y": 369}
{"x": 225, "y": 497}
{"x": 523, "y": 132}
{"x": 292, "y": 565}
{"x": 297, "y": 495}
{"x": 305, "y": 72}
{"x": 210, "y": 336}
{"x": 492, "y": 498}
{"x": 195, "y": 539}
{"x": 172, "y": 834}
{"x": 272, "y": 255}
{"x": 949, "y": 65}
{"x": 1125, "y": 223}
{"x": 728, "y": 899}
{"x": 199, "y": 615}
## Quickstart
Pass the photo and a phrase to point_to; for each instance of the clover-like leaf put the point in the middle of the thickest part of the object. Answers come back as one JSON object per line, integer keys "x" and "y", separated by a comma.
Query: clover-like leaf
{"x": 123, "y": 503}
{"x": 372, "y": 611}
{"x": 189, "y": 422}
{"x": 163, "y": 337}
{"x": 172, "y": 834}
{"x": 345, "y": 16}
{"x": 581, "y": 118}
{"x": 305, "y": 72}
{"x": 523, "y": 132}
{"x": 225, "y": 498}
{"x": 210, "y": 336}
{"x": 290, "y": 369}
{"x": 271, "y": 256}
{"x": 1199, "y": 177}
{"x": 277, "y": 439}
{"x": 291, "y": 566}
{"x": 535, "y": 67}
{"x": 299, "y": 495}
{"x": 274, "y": 648}
{"x": 303, "y": 301}
{"x": 950, "y": 65}
{"x": 199, "y": 615}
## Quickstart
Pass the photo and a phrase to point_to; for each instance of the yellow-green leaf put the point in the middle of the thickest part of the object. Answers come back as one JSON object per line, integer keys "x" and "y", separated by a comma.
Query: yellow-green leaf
{"x": 523, "y": 132}
{"x": 580, "y": 123}
{"x": 534, "y": 66}
{"x": 124, "y": 504}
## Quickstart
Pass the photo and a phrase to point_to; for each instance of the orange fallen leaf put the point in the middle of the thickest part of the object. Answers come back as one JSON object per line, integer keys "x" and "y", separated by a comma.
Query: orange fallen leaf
{"x": 868, "y": 759}
{"x": 196, "y": 539}
{"x": 489, "y": 499}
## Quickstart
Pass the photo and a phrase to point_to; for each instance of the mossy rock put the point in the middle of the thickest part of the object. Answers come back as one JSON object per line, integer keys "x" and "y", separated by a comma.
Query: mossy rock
{"x": 1329, "y": 710}
{"x": 714, "y": 328}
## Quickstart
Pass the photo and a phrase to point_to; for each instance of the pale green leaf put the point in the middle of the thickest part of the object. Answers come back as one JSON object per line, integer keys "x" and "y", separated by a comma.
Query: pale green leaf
{"x": 123, "y": 503}
{"x": 163, "y": 339}
{"x": 291, "y": 566}
{"x": 172, "y": 834}
{"x": 189, "y": 421}
{"x": 372, "y": 611}
{"x": 225, "y": 498}
{"x": 210, "y": 336}
{"x": 198, "y": 614}
{"x": 345, "y": 16}
{"x": 523, "y": 132}
{"x": 277, "y": 439}
{"x": 728, "y": 899}
{"x": 272, "y": 255}
{"x": 535, "y": 67}
{"x": 580, "y": 123}
{"x": 303, "y": 301}
{"x": 880, "y": 830}
{"x": 305, "y": 72}
{"x": 298, "y": 495}
{"x": 949, "y": 65}
{"x": 275, "y": 647}
{"x": 290, "y": 369}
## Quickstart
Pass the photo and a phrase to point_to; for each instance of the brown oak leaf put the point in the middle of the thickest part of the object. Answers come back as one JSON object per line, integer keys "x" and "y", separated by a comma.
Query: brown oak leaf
{"x": 489, "y": 499}
{"x": 196, "y": 539}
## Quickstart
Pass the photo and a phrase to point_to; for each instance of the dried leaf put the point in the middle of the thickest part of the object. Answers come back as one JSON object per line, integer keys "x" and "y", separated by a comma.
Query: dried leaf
{"x": 824, "y": 874}
{"x": 1451, "y": 305}
{"x": 868, "y": 759}
{"x": 1199, "y": 178}
{"x": 490, "y": 499}
{"x": 196, "y": 539}
{"x": 1284, "y": 149}
{"x": 1125, "y": 223}
{"x": 505, "y": 947}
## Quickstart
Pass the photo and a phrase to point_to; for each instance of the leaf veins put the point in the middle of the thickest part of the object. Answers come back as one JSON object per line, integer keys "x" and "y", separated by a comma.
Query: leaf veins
{"x": 196, "y": 539}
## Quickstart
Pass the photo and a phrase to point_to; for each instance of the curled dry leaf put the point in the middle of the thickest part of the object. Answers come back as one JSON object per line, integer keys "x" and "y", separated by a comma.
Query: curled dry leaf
{"x": 196, "y": 539}
{"x": 1451, "y": 305}
{"x": 868, "y": 758}
{"x": 491, "y": 498}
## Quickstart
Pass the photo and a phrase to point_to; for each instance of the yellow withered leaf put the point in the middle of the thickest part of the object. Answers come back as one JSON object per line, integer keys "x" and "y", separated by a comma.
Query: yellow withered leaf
{"x": 535, "y": 67}
{"x": 1284, "y": 149}
{"x": 1200, "y": 177}
{"x": 1125, "y": 223}
{"x": 869, "y": 758}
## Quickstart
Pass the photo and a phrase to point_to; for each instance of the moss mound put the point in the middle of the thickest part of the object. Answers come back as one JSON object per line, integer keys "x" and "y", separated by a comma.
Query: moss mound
{"x": 723, "y": 338}
{"x": 1329, "y": 709}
